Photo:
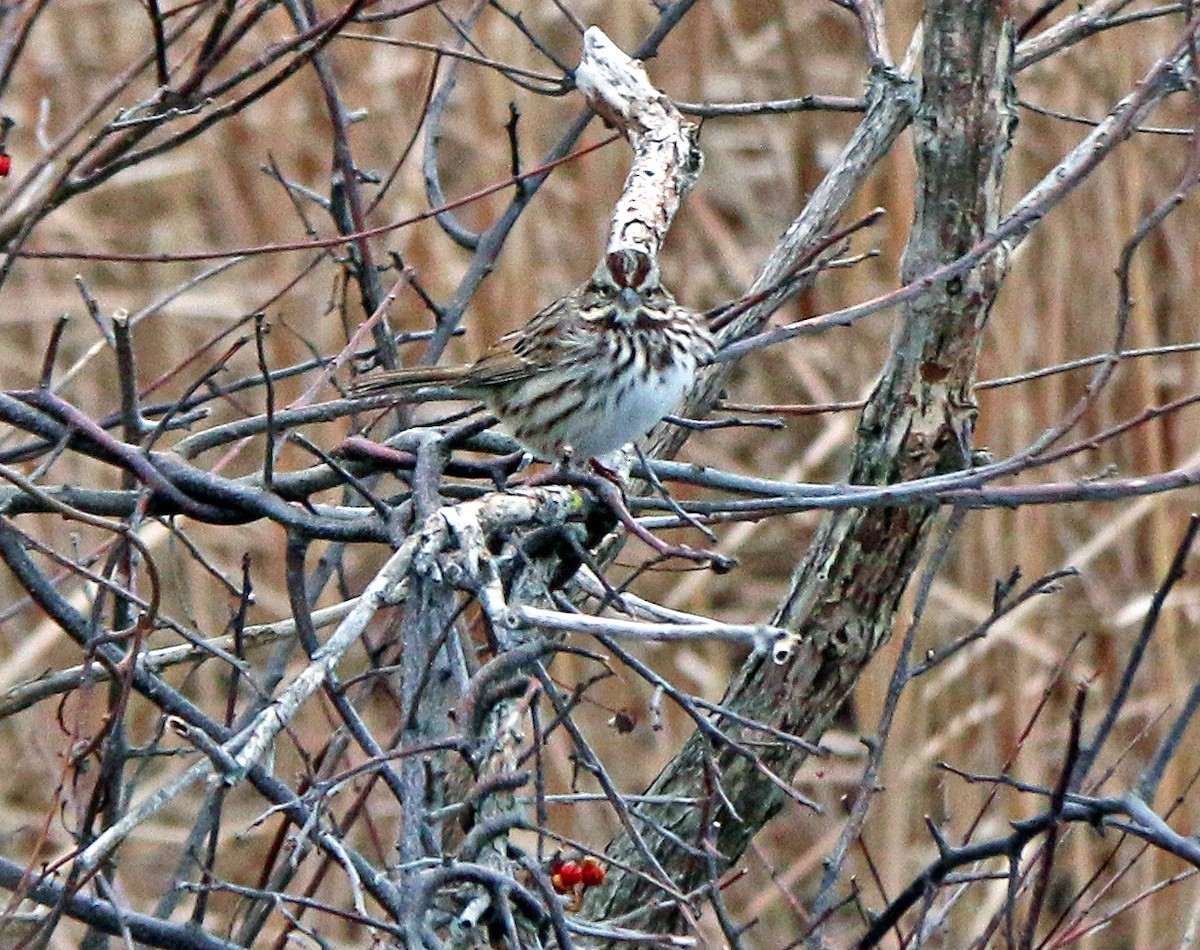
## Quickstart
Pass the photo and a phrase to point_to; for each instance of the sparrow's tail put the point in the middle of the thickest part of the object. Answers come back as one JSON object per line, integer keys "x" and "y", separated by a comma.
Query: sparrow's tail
{"x": 406, "y": 380}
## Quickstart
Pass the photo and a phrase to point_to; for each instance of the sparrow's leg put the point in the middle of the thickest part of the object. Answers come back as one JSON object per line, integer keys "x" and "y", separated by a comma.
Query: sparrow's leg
{"x": 605, "y": 484}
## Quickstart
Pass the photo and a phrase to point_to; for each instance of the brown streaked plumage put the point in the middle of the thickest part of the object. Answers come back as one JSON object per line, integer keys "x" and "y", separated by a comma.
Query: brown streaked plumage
{"x": 591, "y": 371}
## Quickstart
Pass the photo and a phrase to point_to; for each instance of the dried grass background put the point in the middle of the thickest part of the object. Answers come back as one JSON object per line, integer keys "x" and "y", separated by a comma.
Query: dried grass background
{"x": 1059, "y": 303}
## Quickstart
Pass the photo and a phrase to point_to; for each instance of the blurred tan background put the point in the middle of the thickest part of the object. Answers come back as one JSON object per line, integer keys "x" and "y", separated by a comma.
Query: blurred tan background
{"x": 1059, "y": 303}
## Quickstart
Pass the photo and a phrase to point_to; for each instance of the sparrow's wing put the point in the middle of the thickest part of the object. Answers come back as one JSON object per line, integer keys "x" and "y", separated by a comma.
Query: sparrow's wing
{"x": 499, "y": 366}
{"x": 554, "y": 336}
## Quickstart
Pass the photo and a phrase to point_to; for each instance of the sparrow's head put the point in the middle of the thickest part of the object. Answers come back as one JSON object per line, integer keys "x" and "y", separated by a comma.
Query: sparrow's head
{"x": 630, "y": 278}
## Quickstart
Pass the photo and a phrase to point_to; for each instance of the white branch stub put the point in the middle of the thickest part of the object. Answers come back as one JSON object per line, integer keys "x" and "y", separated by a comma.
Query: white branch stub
{"x": 666, "y": 157}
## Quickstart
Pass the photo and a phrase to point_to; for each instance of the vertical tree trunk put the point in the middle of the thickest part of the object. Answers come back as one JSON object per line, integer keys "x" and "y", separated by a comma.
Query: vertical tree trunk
{"x": 918, "y": 421}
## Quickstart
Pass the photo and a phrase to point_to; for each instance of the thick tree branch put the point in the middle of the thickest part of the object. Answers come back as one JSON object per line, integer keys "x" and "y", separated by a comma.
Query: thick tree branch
{"x": 917, "y": 422}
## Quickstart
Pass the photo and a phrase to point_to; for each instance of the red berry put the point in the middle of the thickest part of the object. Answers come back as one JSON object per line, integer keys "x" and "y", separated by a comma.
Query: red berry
{"x": 5, "y": 164}
{"x": 592, "y": 872}
{"x": 570, "y": 874}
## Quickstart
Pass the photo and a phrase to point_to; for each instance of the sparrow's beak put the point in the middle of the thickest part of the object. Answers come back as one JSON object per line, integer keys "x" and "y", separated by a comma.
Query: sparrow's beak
{"x": 629, "y": 299}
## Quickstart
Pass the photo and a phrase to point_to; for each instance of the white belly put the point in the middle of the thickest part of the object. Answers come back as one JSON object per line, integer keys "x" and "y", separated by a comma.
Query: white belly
{"x": 637, "y": 406}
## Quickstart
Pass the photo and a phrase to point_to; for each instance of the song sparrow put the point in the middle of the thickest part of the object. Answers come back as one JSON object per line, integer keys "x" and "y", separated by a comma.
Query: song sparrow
{"x": 590, "y": 372}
